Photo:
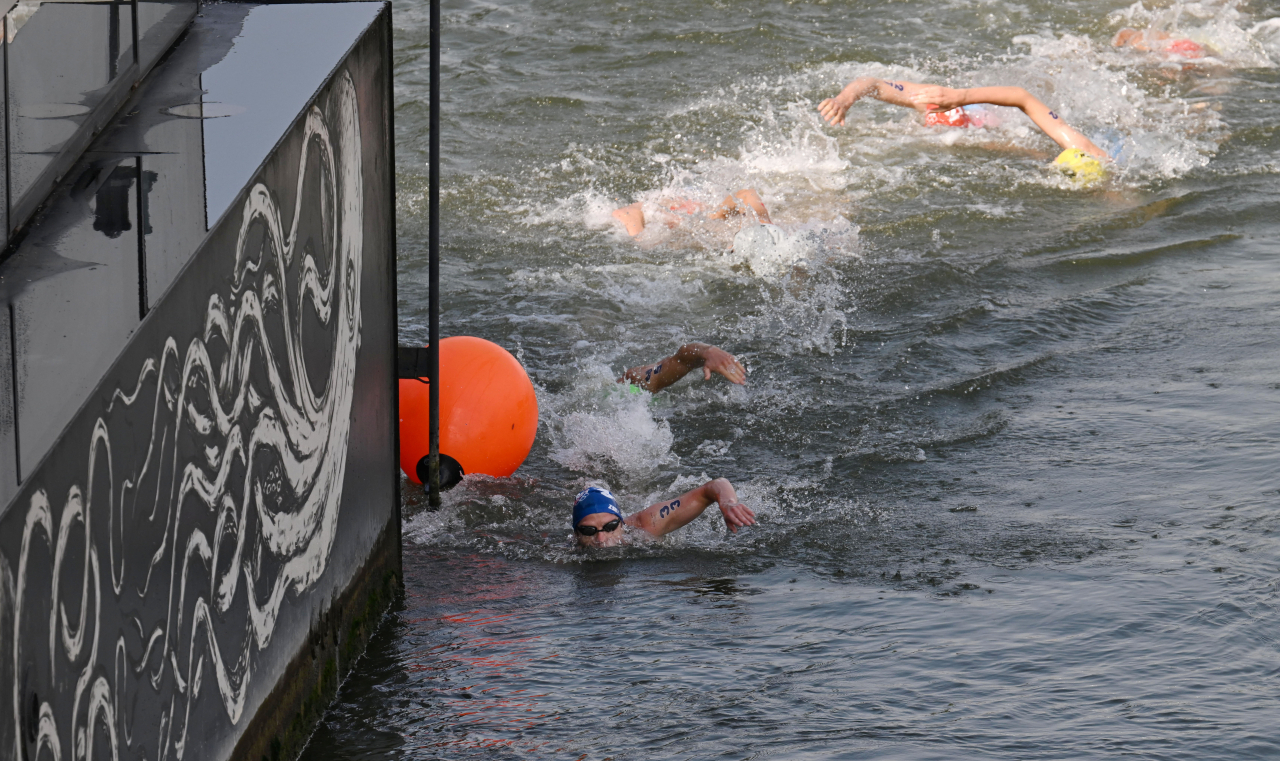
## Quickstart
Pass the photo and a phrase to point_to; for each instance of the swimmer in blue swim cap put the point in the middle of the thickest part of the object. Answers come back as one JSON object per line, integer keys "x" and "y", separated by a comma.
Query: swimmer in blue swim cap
{"x": 598, "y": 522}
{"x": 931, "y": 99}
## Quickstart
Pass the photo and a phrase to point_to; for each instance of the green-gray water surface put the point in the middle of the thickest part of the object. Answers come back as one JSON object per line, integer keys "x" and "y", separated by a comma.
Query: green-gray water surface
{"x": 1013, "y": 443}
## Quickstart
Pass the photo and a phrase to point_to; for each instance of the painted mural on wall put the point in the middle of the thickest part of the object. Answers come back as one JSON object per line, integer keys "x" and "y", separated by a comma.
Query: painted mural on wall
{"x": 224, "y": 460}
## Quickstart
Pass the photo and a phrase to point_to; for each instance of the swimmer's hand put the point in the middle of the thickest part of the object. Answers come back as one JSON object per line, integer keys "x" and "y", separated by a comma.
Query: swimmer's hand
{"x": 632, "y": 218}
{"x": 736, "y": 516}
{"x": 938, "y": 98}
{"x": 834, "y": 109}
{"x": 717, "y": 360}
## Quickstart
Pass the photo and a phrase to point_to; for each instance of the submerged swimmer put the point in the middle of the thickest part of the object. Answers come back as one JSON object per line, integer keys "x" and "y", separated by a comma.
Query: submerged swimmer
{"x": 1079, "y": 158}
{"x": 1157, "y": 41}
{"x": 757, "y": 234}
{"x": 744, "y": 203}
{"x": 597, "y": 521}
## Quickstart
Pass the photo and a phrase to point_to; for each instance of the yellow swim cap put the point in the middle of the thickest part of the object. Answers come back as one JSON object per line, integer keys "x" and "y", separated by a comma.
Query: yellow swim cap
{"x": 1079, "y": 165}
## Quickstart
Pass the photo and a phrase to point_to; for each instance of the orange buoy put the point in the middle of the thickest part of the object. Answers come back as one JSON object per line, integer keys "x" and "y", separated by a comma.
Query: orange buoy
{"x": 488, "y": 412}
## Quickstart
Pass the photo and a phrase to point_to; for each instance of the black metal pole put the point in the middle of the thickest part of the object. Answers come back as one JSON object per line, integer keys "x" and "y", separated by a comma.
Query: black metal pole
{"x": 433, "y": 193}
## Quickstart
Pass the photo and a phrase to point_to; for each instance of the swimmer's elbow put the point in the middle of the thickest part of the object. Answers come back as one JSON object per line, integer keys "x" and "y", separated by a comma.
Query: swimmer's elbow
{"x": 1026, "y": 100}
{"x": 882, "y": 89}
{"x": 691, "y": 355}
{"x": 717, "y": 490}
{"x": 642, "y": 521}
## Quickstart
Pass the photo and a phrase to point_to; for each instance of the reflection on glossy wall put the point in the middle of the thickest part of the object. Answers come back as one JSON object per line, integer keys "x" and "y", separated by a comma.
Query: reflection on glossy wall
{"x": 54, "y": 86}
{"x": 68, "y": 66}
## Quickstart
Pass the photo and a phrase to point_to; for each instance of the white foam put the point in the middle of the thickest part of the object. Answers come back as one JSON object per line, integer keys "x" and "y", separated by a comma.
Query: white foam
{"x": 605, "y": 429}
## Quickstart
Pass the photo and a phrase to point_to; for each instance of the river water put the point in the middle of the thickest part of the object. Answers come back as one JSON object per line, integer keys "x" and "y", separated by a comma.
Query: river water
{"x": 1012, "y": 442}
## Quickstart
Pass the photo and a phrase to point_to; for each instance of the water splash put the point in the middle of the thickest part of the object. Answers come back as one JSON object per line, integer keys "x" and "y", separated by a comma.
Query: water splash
{"x": 607, "y": 430}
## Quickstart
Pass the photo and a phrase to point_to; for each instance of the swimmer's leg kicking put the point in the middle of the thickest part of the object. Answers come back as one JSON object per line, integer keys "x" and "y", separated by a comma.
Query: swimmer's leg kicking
{"x": 597, "y": 521}
{"x": 929, "y": 98}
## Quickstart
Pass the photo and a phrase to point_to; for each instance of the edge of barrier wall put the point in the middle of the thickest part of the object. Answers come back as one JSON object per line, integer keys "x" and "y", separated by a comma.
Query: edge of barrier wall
{"x": 197, "y": 562}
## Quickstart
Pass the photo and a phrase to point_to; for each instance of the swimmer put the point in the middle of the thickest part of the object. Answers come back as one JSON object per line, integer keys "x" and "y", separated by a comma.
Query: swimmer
{"x": 658, "y": 375}
{"x": 744, "y": 203}
{"x": 937, "y": 101}
{"x": 1157, "y": 41}
{"x": 597, "y": 521}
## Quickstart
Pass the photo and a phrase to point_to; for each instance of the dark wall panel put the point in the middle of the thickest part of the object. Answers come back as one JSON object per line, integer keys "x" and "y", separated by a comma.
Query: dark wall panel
{"x": 4, "y": 141}
{"x": 8, "y": 416}
{"x": 235, "y": 469}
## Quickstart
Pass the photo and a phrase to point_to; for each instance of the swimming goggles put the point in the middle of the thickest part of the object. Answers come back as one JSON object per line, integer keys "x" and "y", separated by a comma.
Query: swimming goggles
{"x": 608, "y": 528}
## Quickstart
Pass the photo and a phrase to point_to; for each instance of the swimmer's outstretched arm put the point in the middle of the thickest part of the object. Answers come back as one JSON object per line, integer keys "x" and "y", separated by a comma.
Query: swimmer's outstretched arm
{"x": 664, "y": 372}
{"x": 935, "y": 97}
{"x": 665, "y": 517}
{"x": 895, "y": 92}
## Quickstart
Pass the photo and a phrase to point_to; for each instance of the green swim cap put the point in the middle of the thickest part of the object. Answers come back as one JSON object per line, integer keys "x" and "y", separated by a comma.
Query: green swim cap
{"x": 1080, "y": 166}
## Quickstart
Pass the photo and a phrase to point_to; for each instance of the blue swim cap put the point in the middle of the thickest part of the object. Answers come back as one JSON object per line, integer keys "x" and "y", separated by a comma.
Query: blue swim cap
{"x": 594, "y": 500}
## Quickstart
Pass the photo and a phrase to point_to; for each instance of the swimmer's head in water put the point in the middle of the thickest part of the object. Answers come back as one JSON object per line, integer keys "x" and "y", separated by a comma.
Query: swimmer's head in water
{"x": 1079, "y": 166}
{"x": 594, "y": 500}
{"x": 1123, "y": 37}
{"x": 1185, "y": 48}
{"x": 956, "y": 117}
